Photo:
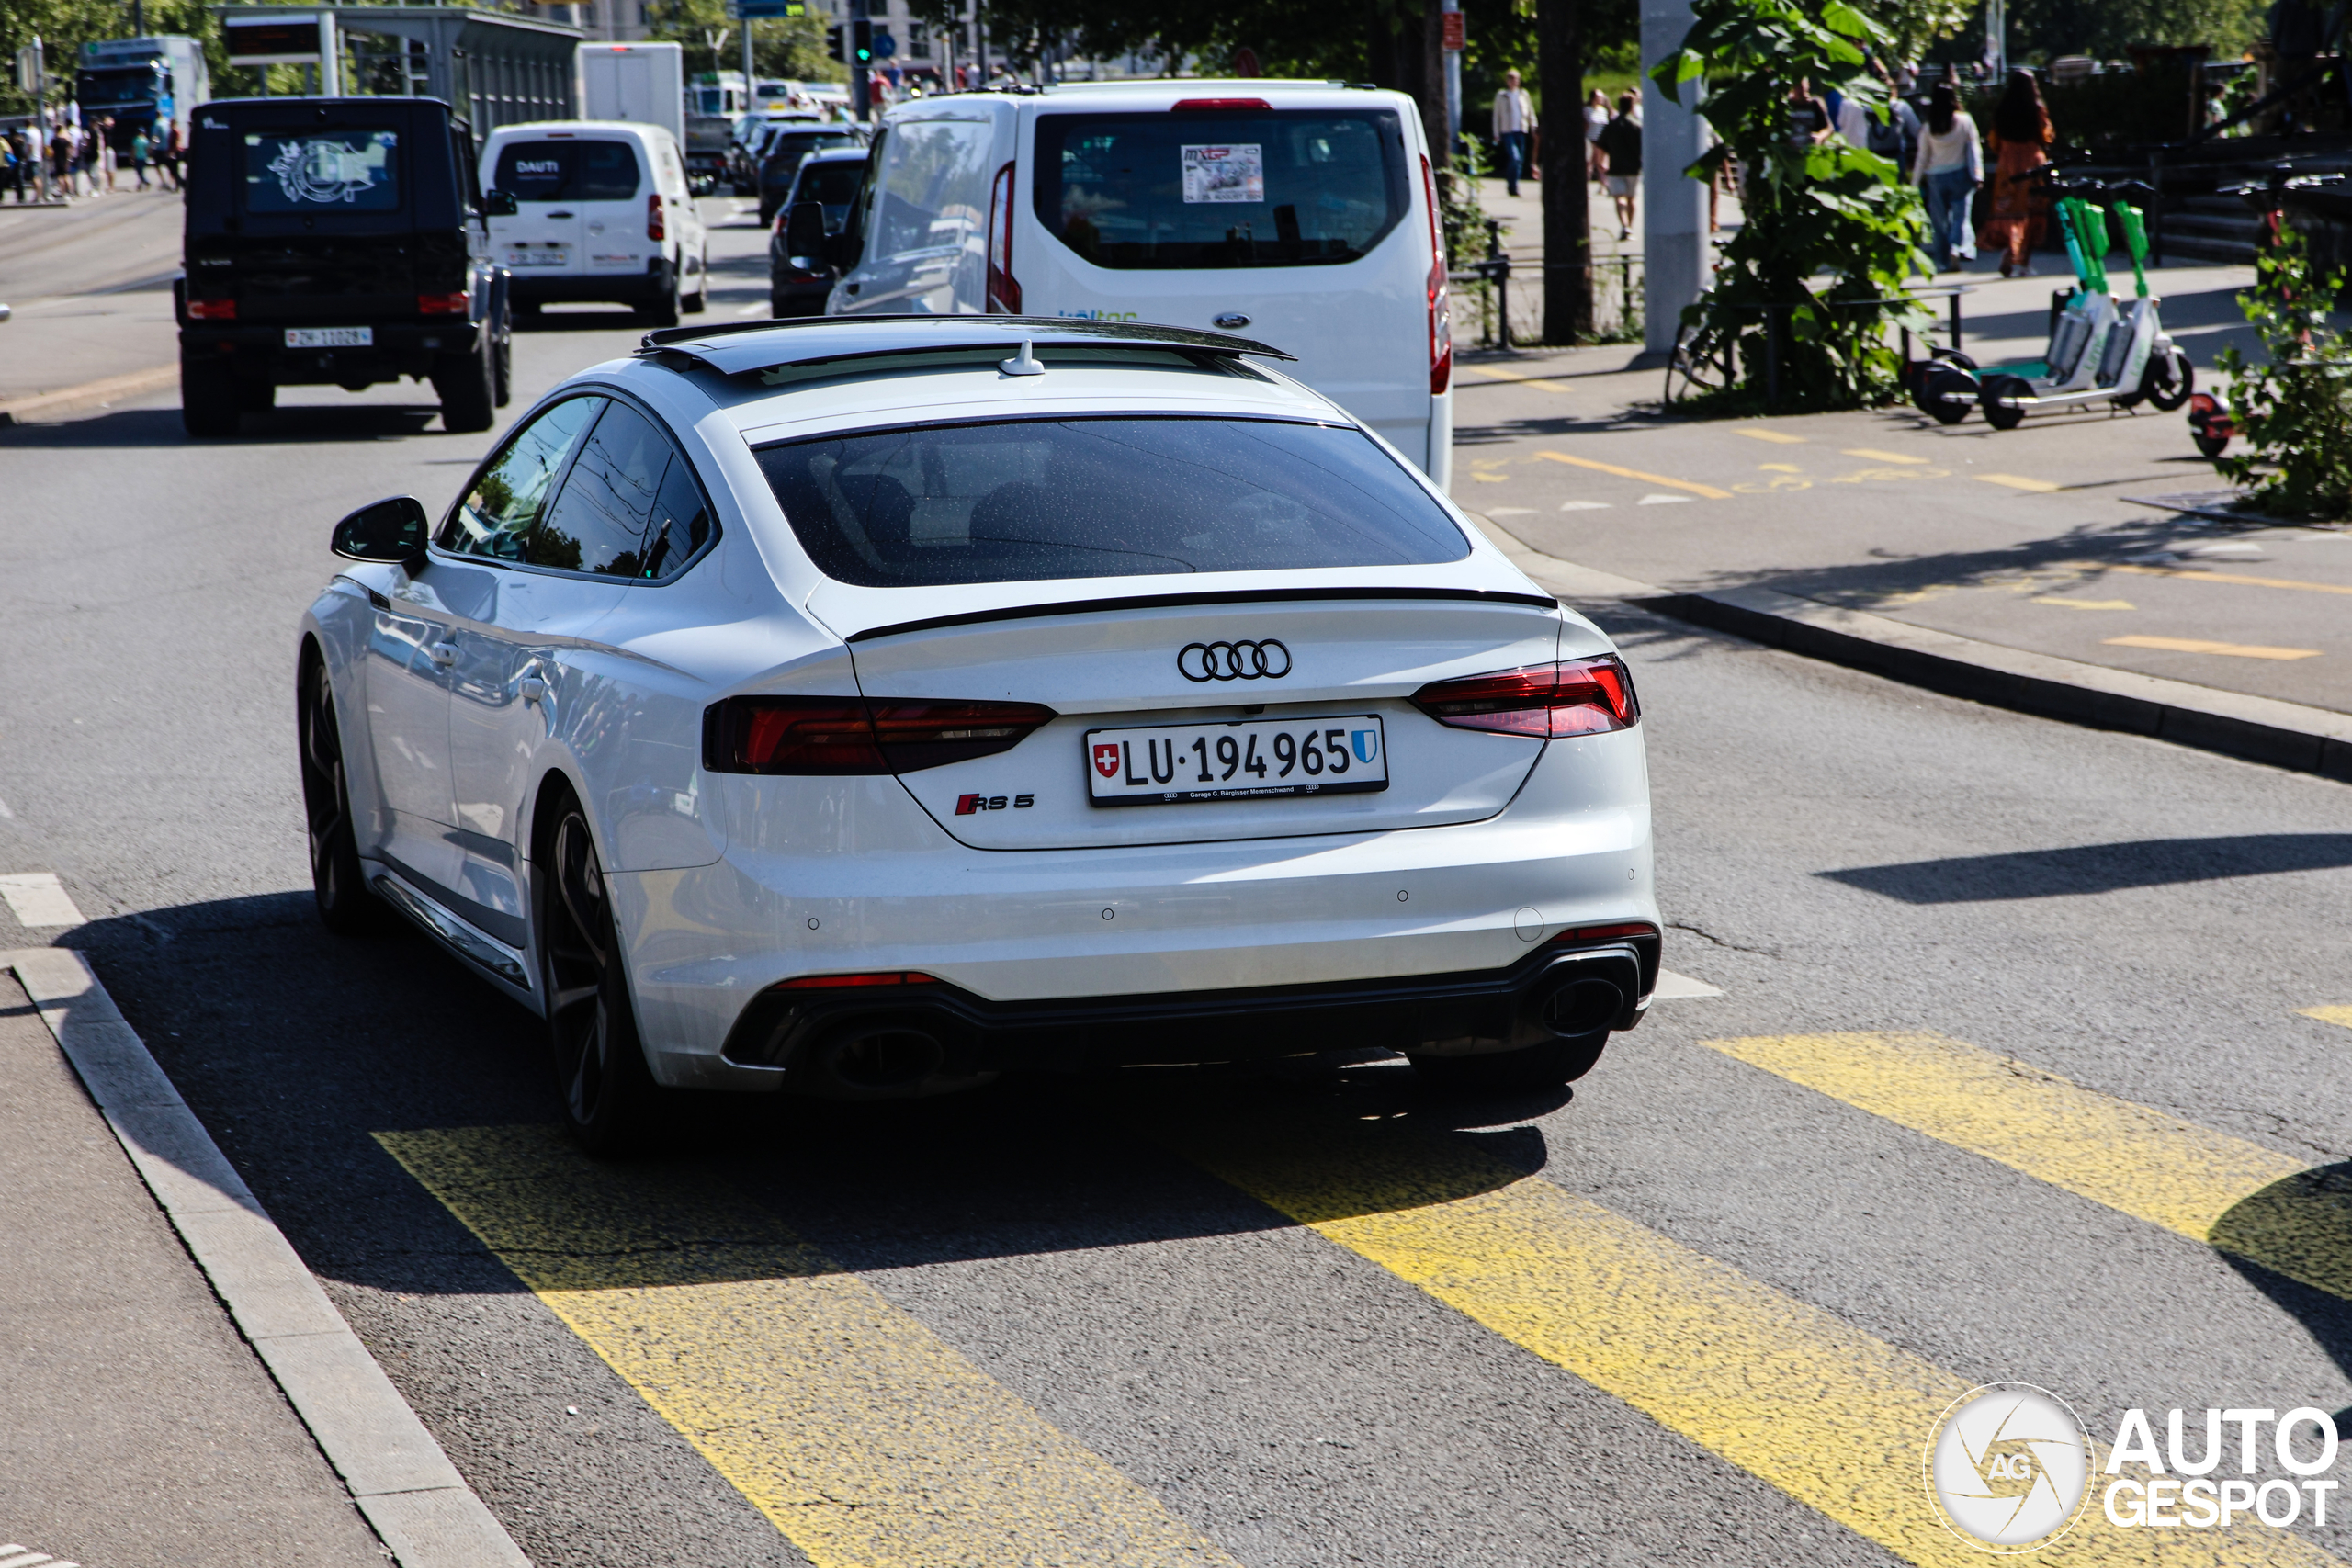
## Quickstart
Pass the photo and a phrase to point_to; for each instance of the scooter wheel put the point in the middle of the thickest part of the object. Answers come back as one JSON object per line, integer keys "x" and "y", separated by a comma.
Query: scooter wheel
{"x": 2169, "y": 379}
{"x": 1999, "y": 412}
{"x": 1945, "y": 393}
{"x": 2212, "y": 446}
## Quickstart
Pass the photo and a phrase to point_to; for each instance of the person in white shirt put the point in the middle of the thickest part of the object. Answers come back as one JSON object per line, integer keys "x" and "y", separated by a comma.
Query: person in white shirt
{"x": 1949, "y": 165}
{"x": 1596, "y": 116}
{"x": 1515, "y": 123}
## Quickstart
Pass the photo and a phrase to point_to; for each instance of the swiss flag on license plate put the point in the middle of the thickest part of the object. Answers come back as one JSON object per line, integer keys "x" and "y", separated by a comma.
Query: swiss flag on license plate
{"x": 1106, "y": 760}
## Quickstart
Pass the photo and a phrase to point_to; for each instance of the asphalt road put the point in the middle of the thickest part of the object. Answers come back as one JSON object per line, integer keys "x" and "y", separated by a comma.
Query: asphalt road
{"x": 1989, "y": 982}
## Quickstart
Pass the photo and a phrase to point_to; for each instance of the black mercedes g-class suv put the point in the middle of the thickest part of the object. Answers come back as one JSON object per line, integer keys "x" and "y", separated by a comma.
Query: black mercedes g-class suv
{"x": 337, "y": 242}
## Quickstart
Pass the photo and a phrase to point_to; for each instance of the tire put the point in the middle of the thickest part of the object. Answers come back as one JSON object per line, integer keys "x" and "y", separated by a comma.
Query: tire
{"x": 611, "y": 1104}
{"x": 2210, "y": 445}
{"x": 775, "y": 306}
{"x": 208, "y": 398}
{"x": 2168, "y": 380}
{"x": 503, "y": 360}
{"x": 1551, "y": 1064}
{"x": 1998, "y": 414}
{"x": 338, "y": 881}
{"x": 695, "y": 304}
{"x": 662, "y": 309}
{"x": 256, "y": 397}
{"x": 467, "y": 386}
{"x": 1947, "y": 393}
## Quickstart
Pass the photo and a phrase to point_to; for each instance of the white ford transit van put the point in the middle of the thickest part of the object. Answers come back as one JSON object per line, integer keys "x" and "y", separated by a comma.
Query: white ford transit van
{"x": 1301, "y": 214}
{"x": 602, "y": 213}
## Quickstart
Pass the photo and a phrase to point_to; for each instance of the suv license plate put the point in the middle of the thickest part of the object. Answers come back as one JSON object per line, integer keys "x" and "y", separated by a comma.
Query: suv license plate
{"x": 330, "y": 337}
{"x": 1345, "y": 754}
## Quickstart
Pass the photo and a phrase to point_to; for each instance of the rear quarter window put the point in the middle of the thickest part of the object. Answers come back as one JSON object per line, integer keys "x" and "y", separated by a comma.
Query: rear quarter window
{"x": 1286, "y": 187}
{"x": 312, "y": 172}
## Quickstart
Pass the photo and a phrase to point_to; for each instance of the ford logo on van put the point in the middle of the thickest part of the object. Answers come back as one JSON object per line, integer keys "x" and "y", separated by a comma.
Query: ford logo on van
{"x": 1204, "y": 661}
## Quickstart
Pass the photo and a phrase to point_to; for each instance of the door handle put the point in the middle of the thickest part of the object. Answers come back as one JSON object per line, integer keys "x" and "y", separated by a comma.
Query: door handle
{"x": 443, "y": 653}
{"x": 562, "y": 215}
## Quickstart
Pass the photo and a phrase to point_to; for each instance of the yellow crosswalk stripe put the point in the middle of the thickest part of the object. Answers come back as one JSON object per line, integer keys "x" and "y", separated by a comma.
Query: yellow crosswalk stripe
{"x": 1876, "y": 455}
{"x": 2243, "y": 579}
{"x": 2019, "y": 481}
{"x": 2330, "y": 1015}
{"x": 2224, "y": 1191}
{"x": 2199, "y": 645}
{"x": 869, "y": 1441}
{"x": 1832, "y": 1417}
{"x": 1708, "y": 491}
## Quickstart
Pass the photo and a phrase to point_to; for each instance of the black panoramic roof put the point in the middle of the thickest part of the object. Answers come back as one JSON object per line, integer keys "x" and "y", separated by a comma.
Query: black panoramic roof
{"x": 747, "y": 347}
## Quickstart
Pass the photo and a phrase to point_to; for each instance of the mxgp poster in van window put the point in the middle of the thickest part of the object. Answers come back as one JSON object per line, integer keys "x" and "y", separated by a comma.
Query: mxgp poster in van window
{"x": 1232, "y": 173}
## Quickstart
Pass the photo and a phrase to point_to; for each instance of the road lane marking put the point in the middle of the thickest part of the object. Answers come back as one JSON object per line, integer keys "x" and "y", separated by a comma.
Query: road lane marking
{"x": 2019, "y": 481}
{"x": 25, "y": 1557}
{"x": 1707, "y": 492}
{"x": 1584, "y": 506}
{"x": 2220, "y": 1191}
{"x": 1672, "y": 986}
{"x": 2084, "y": 603}
{"x": 2236, "y": 576}
{"x": 1757, "y": 432}
{"x": 1875, "y": 455}
{"x": 1780, "y": 468}
{"x": 1510, "y": 511}
{"x": 2197, "y": 645}
{"x": 1495, "y": 373}
{"x": 38, "y": 899}
{"x": 1834, "y": 1417}
{"x": 1663, "y": 501}
{"x": 2329, "y": 1015}
{"x": 862, "y": 1436}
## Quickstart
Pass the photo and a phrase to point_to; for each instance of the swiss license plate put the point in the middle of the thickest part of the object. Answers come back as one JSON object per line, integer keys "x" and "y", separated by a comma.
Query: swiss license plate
{"x": 549, "y": 255}
{"x": 330, "y": 337}
{"x": 1344, "y": 754}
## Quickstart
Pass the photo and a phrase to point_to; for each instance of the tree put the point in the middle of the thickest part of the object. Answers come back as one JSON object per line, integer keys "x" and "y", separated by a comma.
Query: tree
{"x": 792, "y": 47}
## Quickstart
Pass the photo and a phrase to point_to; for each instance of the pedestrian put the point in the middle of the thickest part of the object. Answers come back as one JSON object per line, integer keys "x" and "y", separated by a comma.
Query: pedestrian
{"x": 102, "y": 154}
{"x": 1515, "y": 123}
{"x": 1596, "y": 119}
{"x": 173, "y": 148}
{"x": 12, "y": 162}
{"x": 1809, "y": 119}
{"x": 2020, "y": 202}
{"x": 138, "y": 156}
{"x": 1949, "y": 167}
{"x": 1620, "y": 144}
{"x": 61, "y": 160}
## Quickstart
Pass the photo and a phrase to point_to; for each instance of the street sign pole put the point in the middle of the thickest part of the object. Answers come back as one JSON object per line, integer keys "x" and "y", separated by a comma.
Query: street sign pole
{"x": 1456, "y": 42}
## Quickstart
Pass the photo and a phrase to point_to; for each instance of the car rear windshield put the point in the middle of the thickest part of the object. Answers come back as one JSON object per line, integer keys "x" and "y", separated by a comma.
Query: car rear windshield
{"x": 1287, "y": 187}
{"x": 834, "y": 183}
{"x": 568, "y": 171}
{"x": 798, "y": 145}
{"x": 311, "y": 172}
{"x": 1022, "y": 500}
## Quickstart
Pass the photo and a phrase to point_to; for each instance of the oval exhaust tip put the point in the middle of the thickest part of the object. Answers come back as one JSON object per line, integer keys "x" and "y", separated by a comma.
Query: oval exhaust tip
{"x": 1582, "y": 1006}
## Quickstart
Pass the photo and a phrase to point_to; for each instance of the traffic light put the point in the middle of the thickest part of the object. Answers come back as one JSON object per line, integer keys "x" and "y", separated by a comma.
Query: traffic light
{"x": 833, "y": 41}
{"x": 861, "y": 42}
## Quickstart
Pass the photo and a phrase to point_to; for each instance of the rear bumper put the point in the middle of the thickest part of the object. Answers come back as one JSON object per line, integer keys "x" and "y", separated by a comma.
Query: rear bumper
{"x": 257, "y": 351}
{"x": 621, "y": 287}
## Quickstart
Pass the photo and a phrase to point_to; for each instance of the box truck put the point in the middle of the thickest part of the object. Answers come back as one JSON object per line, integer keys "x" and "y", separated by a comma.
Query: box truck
{"x": 642, "y": 82}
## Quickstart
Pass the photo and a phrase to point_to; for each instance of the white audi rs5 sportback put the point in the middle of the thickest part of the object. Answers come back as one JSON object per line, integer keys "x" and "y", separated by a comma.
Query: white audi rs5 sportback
{"x": 866, "y": 707}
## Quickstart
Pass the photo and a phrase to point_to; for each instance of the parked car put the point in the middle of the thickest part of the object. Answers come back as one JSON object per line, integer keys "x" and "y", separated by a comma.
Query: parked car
{"x": 341, "y": 242}
{"x": 864, "y": 708}
{"x": 781, "y": 156}
{"x": 600, "y": 212}
{"x": 829, "y": 180}
{"x": 748, "y": 138}
{"x": 1303, "y": 212}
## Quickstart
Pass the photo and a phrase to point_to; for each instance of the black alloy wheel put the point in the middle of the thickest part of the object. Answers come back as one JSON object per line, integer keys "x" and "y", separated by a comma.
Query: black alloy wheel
{"x": 610, "y": 1096}
{"x": 337, "y": 880}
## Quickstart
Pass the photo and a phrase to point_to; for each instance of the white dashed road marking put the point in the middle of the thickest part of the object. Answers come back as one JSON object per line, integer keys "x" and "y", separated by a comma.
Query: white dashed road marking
{"x": 1672, "y": 986}
{"x": 25, "y": 1557}
{"x": 38, "y": 899}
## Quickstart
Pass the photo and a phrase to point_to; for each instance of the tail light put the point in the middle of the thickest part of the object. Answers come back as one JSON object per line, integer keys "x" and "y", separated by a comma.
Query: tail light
{"x": 442, "y": 304}
{"x": 835, "y": 736}
{"x": 212, "y": 309}
{"x": 1440, "y": 314}
{"x": 655, "y": 228}
{"x": 1621, "y": 930}
{"x": 1219, "y": 105}
{"x": 832, "y": 982}
{"x": 1004, "y": 294}
{"x": 1580, "y": 696}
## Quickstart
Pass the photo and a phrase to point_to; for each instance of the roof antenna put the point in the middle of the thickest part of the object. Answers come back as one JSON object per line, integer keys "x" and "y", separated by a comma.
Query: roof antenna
{"x": 1025, "y": 364}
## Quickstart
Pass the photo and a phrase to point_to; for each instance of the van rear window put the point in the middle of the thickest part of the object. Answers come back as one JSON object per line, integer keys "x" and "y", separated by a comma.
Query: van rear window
{"x": 568, "y": 171}
{"x": 322, "y": 171}
{"x": 1286, "y": 187}
{"x": 1023, "y": 500}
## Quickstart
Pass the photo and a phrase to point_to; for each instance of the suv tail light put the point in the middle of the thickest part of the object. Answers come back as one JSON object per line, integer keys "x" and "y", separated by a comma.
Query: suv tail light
{"x": 1440, "y": 314}
{"x": 835, "y": 736}
{"x": 655, "y": 229}
{"x": 212, "y": 309}
{"x": 1004, "y": 293}
{"x": 1219, "y": 105}
{"x": 442, "y": 304}
{"x": 1576, "y": 696}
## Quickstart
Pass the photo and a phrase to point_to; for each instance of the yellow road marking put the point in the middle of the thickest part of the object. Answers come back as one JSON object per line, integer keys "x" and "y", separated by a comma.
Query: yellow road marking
{"x": 1877, "y": 456}
{"x": 1495, "y": 373}
{"x": 1709, "y": 491}
{"x": 2330, "y": 1015}
{"x": 1779, "y": 468}
{"x": 1757, "y": 432}
{"x": 2237, "y": 576}
{"x": 2197, "y": 645}
{"x": 2017, "y": 481}
{"x": 868, "y": 1439}
{"x": 1835, "y": 1419}
{"x": 2205, "y": 1185}
{"x": 2086, "y": 604}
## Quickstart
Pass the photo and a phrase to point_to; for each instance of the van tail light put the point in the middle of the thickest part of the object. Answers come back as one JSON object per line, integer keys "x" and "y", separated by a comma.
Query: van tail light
{"x": 656, "y": 228}
{"x": 836, "y": 736}
{"x": 1004, "y": 293}
{"x": 442, "y": 304}
{"x": 1219, "y": 105}
{"x": 212, "y": 309}
{"x": 1576, "y": 697}
{"x": 1441, "y": 313}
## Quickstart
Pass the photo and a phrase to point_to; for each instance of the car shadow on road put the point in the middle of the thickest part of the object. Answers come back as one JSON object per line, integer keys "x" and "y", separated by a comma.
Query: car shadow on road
{"x": 2097, "y": 868}
{"x": 298, "y": 424}
{"x": 2293, "y": 1242}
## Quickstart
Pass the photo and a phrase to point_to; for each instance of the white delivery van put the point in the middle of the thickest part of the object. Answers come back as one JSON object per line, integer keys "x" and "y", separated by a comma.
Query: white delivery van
{"x": 602, "y": 213}
{"x": 1298, "y": 213}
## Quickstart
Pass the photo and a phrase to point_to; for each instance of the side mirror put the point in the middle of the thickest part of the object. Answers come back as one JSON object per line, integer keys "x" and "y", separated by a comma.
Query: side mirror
{"x": 390, "y": 530}
{"x": 804, "y": 229}
{"x": 841, "y": 251}
{"x": 498, "y": 204}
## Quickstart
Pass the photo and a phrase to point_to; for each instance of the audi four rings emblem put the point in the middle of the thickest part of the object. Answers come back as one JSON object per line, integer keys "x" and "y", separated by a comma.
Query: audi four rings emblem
{"x": 1201, "y": 662}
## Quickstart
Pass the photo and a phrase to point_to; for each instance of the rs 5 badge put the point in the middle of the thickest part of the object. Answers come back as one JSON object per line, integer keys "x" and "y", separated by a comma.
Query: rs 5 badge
{"x": 967, "y": 804}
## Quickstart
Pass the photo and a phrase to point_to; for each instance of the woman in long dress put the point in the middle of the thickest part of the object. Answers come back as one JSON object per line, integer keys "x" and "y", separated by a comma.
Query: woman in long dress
{"x": 2020, "y": 203}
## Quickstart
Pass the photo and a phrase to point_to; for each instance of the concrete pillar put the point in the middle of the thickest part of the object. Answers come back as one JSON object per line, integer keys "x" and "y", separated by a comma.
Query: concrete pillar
{"x": 1674, "y": 207}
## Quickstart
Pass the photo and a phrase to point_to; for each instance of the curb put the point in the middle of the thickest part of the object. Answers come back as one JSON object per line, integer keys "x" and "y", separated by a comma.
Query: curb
{"x": 2254, "y": 730}
{"x": 13, "y": 411}
{"x": 398, "y": 1478}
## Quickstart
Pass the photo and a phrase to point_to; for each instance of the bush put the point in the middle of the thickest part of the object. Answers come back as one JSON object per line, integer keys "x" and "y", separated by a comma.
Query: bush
{"x": 2294, "y": 412}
